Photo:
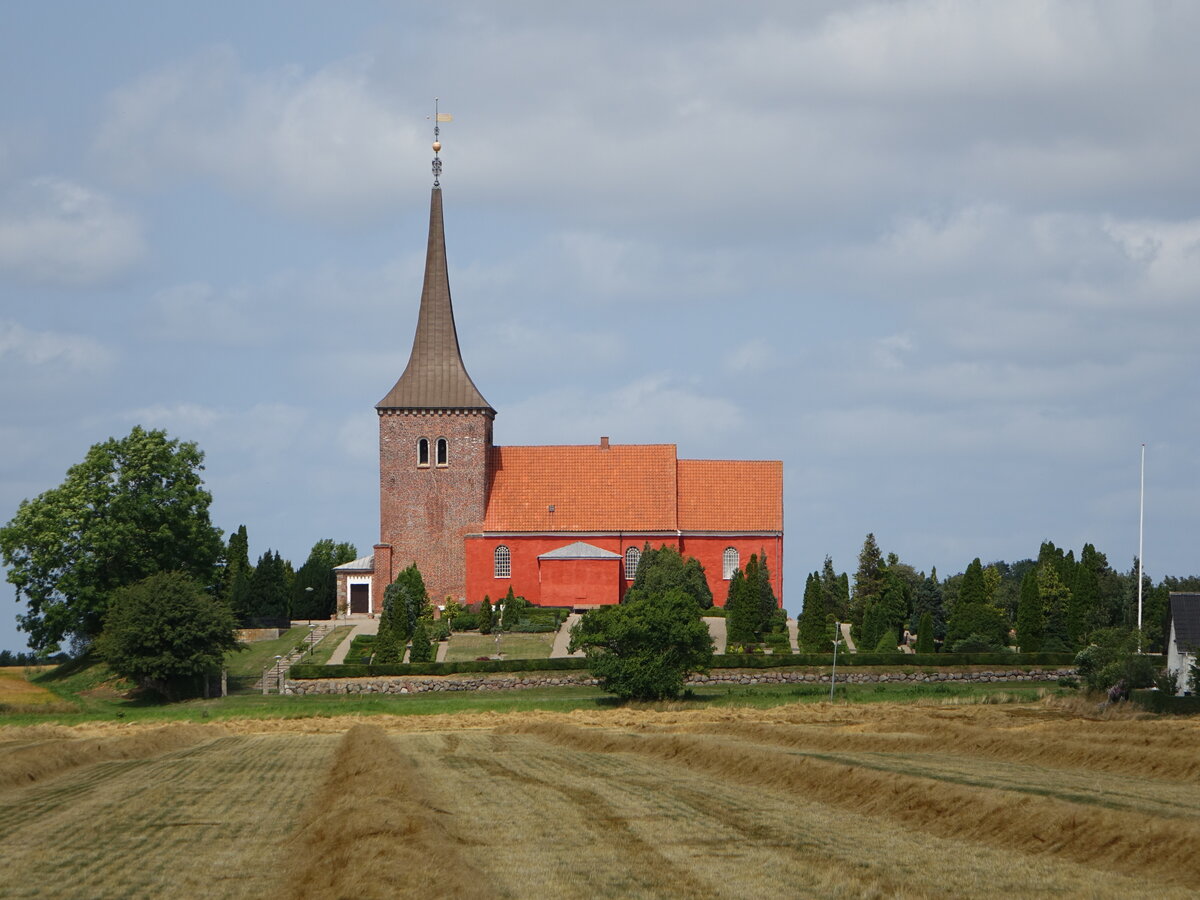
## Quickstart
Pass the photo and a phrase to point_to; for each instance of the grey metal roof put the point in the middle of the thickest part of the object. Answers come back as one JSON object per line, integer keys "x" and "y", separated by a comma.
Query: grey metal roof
{"x": 580, "y": 550}
{"x": 362, "y": 564}
{"x": 1185, "y": 613}
{"x": 435, "y": 377}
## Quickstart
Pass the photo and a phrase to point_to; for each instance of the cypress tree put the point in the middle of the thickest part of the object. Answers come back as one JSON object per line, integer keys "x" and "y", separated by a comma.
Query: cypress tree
{"x": 833, "y": 590}
{"x": 235, "y": 580}
{"x": 422, "y": 647}
{"x": 868, "y": 580}
{"x": 740, "y": 613}
{"x": 925, "y": 634}
{"x": 928, "y": 601}
{"x": 1031, "y": 621}
{"x": 1056, "y": 599}
{"x": 270, "y": 588}
{"x": 485, "y": 615}
{"x": 973, "y": 588}
{"x": 811, "y": 627}
{"x": 388, "y": 648}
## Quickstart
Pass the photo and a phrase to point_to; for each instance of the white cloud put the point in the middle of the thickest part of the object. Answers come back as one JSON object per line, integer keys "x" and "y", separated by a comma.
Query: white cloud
{"x": 52, "y": 349}
{"x": 324, "y": 142}
{"x": 56, "y": 231}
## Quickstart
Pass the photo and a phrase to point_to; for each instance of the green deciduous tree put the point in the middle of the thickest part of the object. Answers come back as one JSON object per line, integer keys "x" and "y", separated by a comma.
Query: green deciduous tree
{"x": 314, "y": 589}
{"x": 164, "y": 632}
{"x": 666, "y": 569}
{"x": 645, "y": 649}
{"x": 133, "y": 507}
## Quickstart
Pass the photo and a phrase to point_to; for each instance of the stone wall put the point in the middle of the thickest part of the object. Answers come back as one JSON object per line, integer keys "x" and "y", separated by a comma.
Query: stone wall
{"x": 508, "y": 681}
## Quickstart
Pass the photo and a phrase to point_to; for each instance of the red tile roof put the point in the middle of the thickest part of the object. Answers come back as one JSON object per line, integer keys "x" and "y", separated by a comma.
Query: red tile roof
{"x": 730, "y": 495}
{"x": 629, "y": 487}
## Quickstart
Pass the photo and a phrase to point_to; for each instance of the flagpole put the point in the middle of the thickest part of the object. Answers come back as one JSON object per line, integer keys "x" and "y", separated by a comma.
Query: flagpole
{"x": 1141, "y": 529}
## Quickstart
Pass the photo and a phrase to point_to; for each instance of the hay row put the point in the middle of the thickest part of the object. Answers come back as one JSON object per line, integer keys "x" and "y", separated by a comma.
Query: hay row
{"x": 370, "y": 832}
{"x": 29, "y": 764}
{"x": 1105, "y": 752}
{"x": 1116, "y": 841}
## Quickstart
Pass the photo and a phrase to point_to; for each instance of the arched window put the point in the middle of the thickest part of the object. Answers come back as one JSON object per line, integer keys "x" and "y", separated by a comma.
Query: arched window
{"x": 502, "y": 562}
{"x": 443, "y": 452}
{"x": 730, "y": 562}
{"x": 423, "y": 452}
{"x": 633, "y": 556}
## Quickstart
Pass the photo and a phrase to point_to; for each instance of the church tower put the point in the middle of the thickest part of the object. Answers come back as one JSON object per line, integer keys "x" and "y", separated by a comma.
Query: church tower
{"x": 435, "y": 441}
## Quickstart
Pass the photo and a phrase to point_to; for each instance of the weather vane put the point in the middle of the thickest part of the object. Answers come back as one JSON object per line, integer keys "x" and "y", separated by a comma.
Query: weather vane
{"x": 438, "y": 118}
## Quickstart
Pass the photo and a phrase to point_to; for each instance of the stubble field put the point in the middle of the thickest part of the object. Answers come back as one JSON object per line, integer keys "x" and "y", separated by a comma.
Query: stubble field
{"x": 802, "y": 800}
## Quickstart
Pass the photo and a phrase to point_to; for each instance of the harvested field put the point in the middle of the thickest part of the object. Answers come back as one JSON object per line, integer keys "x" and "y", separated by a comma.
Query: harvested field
{"x": 801, "y": 800}
{"x": 18, "y": 693}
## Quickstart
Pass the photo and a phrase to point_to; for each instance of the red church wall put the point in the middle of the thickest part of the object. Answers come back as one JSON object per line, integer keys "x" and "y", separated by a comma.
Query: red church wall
{"x": 581, "y": 582}
{"x": 709, "y": 550}
{"x": 526, "y": 580}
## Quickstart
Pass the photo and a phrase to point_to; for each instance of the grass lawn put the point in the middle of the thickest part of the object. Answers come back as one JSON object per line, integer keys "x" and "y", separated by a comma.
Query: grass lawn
{"x": 513, "y": 645}
{"x": 87, "y": 691}
{"x": 259, "y": 655}
{"x": 327, "y": 645}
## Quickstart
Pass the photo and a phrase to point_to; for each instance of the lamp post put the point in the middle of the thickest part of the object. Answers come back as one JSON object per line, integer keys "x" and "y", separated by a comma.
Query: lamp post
{"x": 278, "y": 675}
{"x": 837, "y": 628}
{"x": 312, "y": 634}
{"x": 496, "y": 627}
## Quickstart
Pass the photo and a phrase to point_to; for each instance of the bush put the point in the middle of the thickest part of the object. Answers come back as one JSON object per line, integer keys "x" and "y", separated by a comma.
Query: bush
{"x": 887, "y": 642}
{"x": 465, "y": 622}
{"x": 715, "y": 612}
{"x": 1112, "y": 659}
{"x": 1167, "y": 681}
{"x": 439, "y": 630}
{"x": 977, "y": 643}
{"x": 422, "y": 649}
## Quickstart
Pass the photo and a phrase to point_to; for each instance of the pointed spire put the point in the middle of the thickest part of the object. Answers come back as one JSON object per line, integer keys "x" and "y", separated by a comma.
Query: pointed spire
{"x": 435, "y": 377}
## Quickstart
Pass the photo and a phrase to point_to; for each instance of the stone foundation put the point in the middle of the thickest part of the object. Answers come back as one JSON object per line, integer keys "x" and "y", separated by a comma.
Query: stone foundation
{"x": 511, "y": 681}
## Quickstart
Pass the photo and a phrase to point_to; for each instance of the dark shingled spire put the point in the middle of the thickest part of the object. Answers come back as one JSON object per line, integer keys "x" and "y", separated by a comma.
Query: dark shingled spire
{"x": 435, "y": 377}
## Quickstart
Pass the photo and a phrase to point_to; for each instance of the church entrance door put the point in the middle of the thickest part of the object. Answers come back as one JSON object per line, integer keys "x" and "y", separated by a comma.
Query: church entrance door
{"x": 360, "y": 599}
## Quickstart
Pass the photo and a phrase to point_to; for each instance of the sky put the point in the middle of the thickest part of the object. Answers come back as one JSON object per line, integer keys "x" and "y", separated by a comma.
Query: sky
{"x": 941, "y": 258}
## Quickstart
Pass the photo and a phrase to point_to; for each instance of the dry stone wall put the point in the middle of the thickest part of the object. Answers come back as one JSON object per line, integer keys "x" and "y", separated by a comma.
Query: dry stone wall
{"x": 415, "y": 684}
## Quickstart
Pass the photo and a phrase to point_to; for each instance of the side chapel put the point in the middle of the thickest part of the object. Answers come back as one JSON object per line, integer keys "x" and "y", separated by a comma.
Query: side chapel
{"x": 560, "y": 525}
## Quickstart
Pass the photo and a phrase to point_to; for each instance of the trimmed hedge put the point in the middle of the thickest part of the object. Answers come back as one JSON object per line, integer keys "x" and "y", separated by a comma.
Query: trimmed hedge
{"x": 728, "y": 661}
{"x": 1167, "y": 704}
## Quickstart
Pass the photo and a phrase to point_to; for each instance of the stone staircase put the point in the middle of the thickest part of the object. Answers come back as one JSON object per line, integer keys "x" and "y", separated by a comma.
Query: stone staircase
{"x": 275, "y": 675}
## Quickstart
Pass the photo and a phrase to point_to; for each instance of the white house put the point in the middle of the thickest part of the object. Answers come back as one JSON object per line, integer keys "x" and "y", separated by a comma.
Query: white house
{"x": 1183, "y": 642}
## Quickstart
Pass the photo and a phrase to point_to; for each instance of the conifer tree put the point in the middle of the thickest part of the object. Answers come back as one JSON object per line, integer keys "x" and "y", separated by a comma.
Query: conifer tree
{"x": 866, "y": 635}
{"x": 410, "y": 599}
{"x": 1056, "y": 599}
{"x": 741, "y": 614}
{"x": 388, "y": 648}
{"x": 235, "y": 580}
{"x": 314, "y": 589}
{"x": 1031, "y": 620}
{"x": 928, "y": 601}
{"x": 485, "y": 615}
{"x": 833, "y": 591}
{"x": 270, "y": 588}
{"x": 973, "y": 588}
{"x": 868, "y": 580}
{"x": 422, "y": 646}
{"x": 810, "y": 630}
{"x": 925, "y": 634}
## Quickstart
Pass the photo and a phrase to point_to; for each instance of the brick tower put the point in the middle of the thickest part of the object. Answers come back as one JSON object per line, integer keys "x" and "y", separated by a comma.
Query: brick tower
{"x": 435, "y": 440}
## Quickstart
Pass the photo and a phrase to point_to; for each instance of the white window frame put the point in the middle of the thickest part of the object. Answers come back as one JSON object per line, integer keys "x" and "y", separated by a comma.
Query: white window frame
{"x": 731, "y": 561}
{"x": 501, "y": 562}
{"x": 633, "y": 558}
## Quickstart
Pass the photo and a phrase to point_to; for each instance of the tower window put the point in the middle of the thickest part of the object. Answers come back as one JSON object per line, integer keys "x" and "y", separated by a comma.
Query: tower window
{"x": 423, "y": 452}
{"x": 730, "y": 562}
{"x": 443, "y": 452}
{"x": 633, "y": 556}
{"x": 502, "y": 562}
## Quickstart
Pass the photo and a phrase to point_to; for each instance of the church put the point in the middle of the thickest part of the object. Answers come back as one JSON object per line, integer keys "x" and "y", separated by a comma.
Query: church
{"x": 560, "y": 525}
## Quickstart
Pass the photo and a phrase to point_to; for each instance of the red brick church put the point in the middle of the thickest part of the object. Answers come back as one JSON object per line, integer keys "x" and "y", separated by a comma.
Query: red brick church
{"x": 561, "y": 525}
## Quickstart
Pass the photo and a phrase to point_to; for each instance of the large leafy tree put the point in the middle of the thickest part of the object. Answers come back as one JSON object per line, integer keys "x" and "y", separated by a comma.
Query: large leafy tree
{"x": 165, "y": 631}
{"x": 314, "y": 589}
{"x": 665, "y": 569}
{"x": 646, "y": 648}
{"x": 134, "y": 507}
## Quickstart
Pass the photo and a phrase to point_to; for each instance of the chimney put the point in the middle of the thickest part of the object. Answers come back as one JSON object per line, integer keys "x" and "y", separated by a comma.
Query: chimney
{"x": 604, "y": 443}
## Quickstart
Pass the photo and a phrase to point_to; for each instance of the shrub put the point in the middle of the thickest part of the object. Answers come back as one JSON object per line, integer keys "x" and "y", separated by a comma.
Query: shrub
{"x": 422, "y": 649}
{"x": 1112, "y": 658}
{"x": 887, "y": 642}
{"x": 977, "y": 643}
{"x": 925, "y": 634}
{"x": 1167, "y": 681}
{"x": 465, "y": 622}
